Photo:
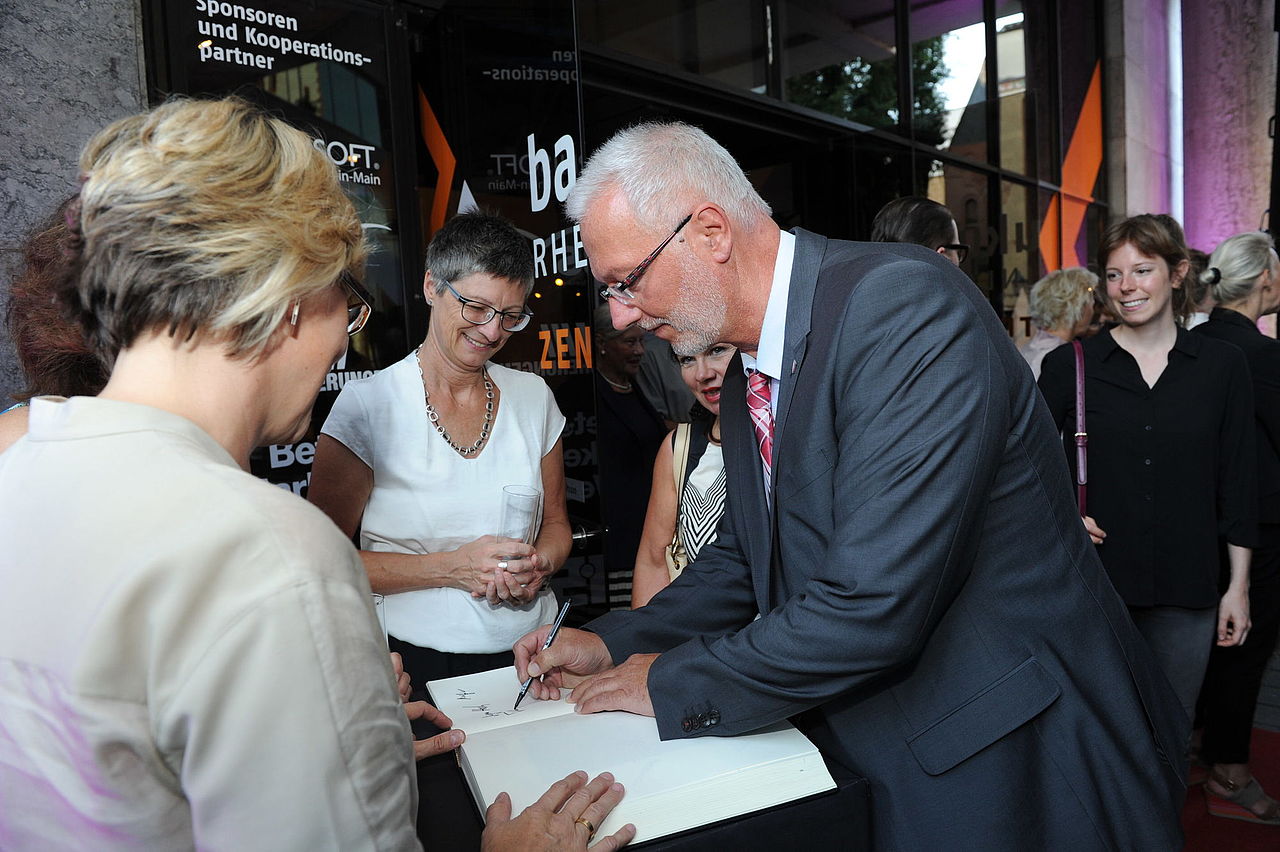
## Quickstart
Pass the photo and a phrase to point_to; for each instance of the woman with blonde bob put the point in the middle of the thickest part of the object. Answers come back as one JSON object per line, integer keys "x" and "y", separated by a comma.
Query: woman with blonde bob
{"x": 1062, "y": 309}
{"x": 189, "y": 655}
{"x": 1244, "y": 275}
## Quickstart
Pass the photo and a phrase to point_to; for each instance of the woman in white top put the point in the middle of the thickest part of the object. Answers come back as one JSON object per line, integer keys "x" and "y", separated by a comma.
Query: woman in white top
{"x": 702, "y": 494}
{"x": 417, "y": 456}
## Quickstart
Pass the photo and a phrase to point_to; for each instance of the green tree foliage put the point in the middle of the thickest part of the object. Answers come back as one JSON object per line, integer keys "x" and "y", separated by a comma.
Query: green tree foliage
{"x": 867, "y": 92}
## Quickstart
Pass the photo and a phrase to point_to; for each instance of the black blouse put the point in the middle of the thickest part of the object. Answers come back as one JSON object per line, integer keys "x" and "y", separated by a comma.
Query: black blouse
{"x": 1170, "y": 468}
{"x": 1263, "y": 355}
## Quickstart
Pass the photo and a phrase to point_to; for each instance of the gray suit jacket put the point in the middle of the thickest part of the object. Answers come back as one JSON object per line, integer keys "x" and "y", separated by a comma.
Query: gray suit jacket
{"x": 927, "y": 589}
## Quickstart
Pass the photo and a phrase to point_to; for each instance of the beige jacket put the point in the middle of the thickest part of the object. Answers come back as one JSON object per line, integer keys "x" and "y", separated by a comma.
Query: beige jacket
{"x": 188, "y": 655}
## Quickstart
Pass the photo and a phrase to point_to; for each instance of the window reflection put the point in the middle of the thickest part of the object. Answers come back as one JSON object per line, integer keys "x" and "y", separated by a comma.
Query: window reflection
{"x": 722, "y": 40}
{"x": 950, "y": 76}
{"x": 1049, "y": 238}
{"x": 964, "y": 192}
{"x": 1020, "y": 261}
{"x": 882, "y": 172}
{"x": 343, "y": 107}
{"x": 1011, "y": 65}
{"x": 330, "y": 91}
{"x": 840, "y": 59}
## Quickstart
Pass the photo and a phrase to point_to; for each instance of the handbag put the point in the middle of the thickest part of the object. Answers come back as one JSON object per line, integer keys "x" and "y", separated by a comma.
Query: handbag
{"x": 1082, "y": 436}
{"x": 677, "y": 557}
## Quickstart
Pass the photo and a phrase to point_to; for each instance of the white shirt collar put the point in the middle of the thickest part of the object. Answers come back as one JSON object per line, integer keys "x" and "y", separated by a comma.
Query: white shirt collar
{"x": 773, "y": 331}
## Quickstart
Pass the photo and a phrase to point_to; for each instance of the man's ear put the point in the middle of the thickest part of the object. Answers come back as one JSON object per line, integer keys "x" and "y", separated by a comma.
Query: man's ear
{"x": 712, "y": 229}
{"x": 941, "y": 250}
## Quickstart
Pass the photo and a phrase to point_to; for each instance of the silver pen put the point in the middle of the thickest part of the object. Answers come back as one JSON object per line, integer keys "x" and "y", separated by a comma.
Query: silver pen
{"x": 551, "y": 637}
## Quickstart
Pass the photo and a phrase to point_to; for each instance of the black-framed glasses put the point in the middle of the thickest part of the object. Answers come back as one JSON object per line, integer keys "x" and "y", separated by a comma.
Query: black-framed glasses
{"x": 619, "y": 290}
{"x": 359, "y": 302}
{"x": 478, "y": 313}
{"x": 961, "y": 250}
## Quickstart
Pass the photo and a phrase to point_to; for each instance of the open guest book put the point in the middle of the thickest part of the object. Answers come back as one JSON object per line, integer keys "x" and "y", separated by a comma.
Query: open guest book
{"x": 671, "y": 786}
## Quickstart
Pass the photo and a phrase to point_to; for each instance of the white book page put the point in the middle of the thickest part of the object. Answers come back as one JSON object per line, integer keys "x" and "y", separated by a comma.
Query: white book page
{"x": 670, "y": 786}
{"x": 485, "y": 701}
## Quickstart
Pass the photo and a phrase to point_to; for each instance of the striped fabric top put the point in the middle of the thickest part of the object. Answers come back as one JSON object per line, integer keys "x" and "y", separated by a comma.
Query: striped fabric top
{"x": 702, "y": 501}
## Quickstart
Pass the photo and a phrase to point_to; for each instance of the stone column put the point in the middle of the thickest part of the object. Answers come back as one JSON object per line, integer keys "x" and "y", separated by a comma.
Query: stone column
{"x": 68, "y": 68}
{"x": 1229, "y": 91}
{"x": 1136, "y": 107}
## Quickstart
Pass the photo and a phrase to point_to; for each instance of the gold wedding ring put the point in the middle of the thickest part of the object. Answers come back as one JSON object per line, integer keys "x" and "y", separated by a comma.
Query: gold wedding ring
{"x": 586, "y": 823}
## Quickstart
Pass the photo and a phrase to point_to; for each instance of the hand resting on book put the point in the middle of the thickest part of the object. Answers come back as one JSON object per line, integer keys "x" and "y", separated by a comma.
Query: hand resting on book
{"x": 559, "y": 819}
{"x": 624, "y": 687}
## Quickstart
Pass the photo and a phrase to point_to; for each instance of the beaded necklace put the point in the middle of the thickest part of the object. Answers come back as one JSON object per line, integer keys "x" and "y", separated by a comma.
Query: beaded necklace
{"x": 618, "y": 385}
{"x": 434, "y": 416}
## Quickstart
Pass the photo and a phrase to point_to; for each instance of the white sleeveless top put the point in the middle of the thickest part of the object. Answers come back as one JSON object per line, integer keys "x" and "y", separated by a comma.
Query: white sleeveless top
{"x": 426, "y": 498}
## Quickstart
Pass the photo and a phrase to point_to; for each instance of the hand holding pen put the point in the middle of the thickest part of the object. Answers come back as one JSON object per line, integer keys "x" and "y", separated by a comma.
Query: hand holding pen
{"x": 551, "y": 637}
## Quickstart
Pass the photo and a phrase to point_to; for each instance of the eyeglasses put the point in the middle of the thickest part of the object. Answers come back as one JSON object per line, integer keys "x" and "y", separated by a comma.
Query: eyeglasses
{"x": 619, "y": 290}
{"x": 359, "y": 303}
{"x": 961, "y": 250}
{"x": 478, "y": 313}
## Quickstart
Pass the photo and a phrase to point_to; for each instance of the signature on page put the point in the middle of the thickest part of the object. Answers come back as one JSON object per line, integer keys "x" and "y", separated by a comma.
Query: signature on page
{"x": 488, "y": 713}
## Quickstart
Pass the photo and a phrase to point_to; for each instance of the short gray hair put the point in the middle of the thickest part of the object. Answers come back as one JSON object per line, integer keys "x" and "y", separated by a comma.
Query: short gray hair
{"x": 1235, "y": 265}
{"x": 1058, "y": 300}
{"x": 478, "y": 242}
{"x": 655, "y": 164}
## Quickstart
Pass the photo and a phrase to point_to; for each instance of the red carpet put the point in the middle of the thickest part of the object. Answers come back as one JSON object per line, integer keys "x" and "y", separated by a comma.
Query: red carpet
{"x": 1207, "y": 833}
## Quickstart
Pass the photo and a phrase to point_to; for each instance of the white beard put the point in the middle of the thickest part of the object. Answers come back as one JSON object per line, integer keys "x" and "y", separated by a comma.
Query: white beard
{"x": 699, "y": 314}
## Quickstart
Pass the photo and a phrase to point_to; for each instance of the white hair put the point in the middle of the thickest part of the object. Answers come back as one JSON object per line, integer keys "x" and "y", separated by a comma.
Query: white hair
{"x": 656, "y": 166}
{"x": 1236, "y": 265}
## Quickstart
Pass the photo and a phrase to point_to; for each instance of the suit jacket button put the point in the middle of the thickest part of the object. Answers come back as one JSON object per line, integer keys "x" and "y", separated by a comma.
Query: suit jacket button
{"x": 687, "y": 725}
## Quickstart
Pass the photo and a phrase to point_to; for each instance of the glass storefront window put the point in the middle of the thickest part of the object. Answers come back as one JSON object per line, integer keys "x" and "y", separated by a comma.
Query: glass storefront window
{"x": 722, "y": 40}
{"x": 1049, "y": 235}
{"x": 1020, "y": 254}
{"x": 1088, "y": 221}
{"x": 339, "y": 96}
{"x": 1079, "y": 83}
{"x": 841, "y": 64}
{"x": 882, "y": 172}
{"x": 323, "y": 66}
{"x": 1027, "y": 125}
{"x": 1011, "y": 88}
{"x": 949, "y": 69}
{"x": 964, "y": 192}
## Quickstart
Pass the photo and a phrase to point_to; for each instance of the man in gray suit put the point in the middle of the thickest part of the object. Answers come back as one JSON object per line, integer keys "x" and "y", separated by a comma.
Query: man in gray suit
{"x": 899, "y": 514}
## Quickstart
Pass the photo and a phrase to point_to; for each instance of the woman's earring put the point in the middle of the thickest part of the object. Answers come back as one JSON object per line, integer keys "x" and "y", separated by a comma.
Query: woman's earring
{"x": 293, "y": 317}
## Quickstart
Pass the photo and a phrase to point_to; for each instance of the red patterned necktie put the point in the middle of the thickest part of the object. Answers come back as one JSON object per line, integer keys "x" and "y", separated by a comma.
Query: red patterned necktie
{"x": 758, "y": 395}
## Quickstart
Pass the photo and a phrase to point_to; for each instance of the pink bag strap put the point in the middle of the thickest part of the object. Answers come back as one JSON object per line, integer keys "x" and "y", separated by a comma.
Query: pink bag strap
{"x": 1082, "y": 436}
